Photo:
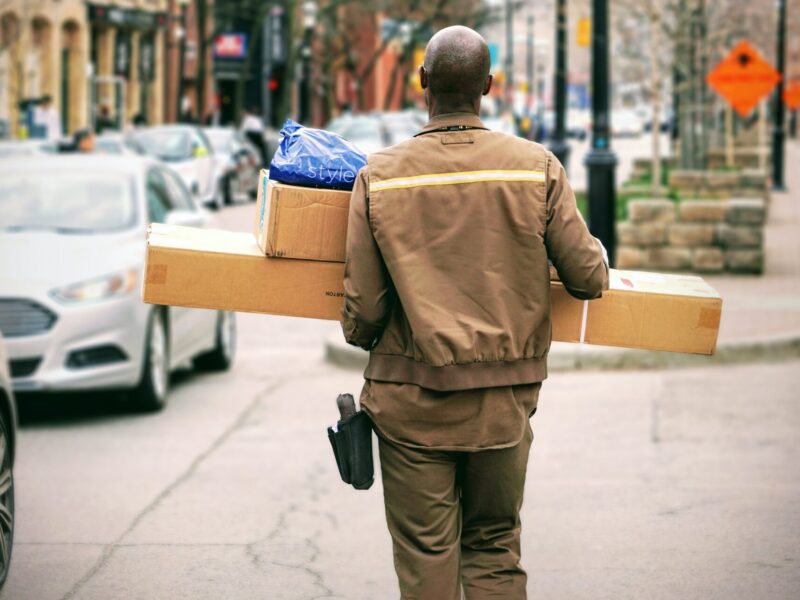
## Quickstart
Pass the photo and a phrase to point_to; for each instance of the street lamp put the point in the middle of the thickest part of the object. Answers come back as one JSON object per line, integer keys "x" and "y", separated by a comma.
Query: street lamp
{"x": 601, "y": 161}
{"x": 779, "y": 113}
{"x": 559, "y": 145}
{"x": 309, "y": 22}
{"x": 180, "y": 33}
{"x": 509, "y": 62}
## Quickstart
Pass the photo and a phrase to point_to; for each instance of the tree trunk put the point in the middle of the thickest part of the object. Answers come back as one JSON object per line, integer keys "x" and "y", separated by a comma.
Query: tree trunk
{"x": 202, "y": 51}
{"x": 655, "y": 90}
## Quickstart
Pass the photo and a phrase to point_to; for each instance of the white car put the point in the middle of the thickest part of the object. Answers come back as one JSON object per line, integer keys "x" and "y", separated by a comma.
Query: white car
{"x": 626, "y": 123}
{"x": 237, "y": 164}
{"x": 8, "y": 444}
{"x": 72, "y": 248}
{"x": 189, "y": 152}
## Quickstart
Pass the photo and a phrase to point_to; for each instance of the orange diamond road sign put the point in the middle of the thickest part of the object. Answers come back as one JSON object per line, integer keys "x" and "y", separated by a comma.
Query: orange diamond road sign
{"x": 791, "y": 95}
{"x": 743, "y": 78}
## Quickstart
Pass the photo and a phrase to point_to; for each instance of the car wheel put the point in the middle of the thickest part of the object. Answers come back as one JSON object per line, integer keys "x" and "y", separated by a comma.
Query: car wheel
{"x": 227, "y": 193}
{"x": 221, "y": 357}
{"x": 151, "y": 393}
{"x": 6, "y": 502}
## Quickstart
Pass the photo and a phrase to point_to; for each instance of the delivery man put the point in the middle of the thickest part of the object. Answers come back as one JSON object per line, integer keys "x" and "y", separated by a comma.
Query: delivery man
{"x": 447, "y": 285}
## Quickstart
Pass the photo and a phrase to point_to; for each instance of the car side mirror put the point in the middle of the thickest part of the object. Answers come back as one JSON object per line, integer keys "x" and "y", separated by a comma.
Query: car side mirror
{"x": 185, "y": 218}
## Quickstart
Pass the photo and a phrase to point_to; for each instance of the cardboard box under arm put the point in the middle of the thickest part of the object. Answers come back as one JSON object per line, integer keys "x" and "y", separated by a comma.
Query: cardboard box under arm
{"x": 227, "y": 271}
{"x": 300, "y": 222}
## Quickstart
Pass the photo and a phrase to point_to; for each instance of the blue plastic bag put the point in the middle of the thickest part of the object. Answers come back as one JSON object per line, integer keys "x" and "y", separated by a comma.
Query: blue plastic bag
{"x": 315, "y": 158}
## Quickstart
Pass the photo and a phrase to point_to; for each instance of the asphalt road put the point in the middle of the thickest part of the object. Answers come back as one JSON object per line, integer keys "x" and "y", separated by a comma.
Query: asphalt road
{"x": 659, "y": 485}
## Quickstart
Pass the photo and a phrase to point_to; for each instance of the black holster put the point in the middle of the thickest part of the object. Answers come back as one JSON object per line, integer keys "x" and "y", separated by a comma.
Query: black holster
{"x": 352, "y": 447}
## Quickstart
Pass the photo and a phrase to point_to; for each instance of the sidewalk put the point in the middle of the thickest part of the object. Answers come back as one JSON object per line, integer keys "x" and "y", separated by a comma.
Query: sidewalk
{"x": 760, "y": 314}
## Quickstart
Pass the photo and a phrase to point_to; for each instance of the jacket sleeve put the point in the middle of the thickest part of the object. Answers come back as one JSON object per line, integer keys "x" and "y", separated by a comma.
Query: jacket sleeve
{"x": 367, "y": 286}
{"x": 578, "y": 257}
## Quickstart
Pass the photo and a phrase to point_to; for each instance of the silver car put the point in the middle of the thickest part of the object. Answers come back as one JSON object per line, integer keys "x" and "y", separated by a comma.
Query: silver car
{"x": 72, "y": 247}
{"x": 8, "y": 442}
{"x": 189, "y": 152}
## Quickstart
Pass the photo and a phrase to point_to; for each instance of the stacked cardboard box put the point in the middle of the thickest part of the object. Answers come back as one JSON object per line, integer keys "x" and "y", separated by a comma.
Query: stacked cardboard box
{"x": 302, "y": 232}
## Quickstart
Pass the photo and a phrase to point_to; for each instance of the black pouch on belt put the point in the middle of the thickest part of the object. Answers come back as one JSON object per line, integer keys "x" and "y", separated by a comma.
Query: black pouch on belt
{"x": 352, "y": 445}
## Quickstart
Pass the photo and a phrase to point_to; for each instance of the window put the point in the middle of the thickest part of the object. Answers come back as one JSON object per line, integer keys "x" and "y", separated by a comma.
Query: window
{"x": 158, "y": 202}
{"x": 179, "y": 196}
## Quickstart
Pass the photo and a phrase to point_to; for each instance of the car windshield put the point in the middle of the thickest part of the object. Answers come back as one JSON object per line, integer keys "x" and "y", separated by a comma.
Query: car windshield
{"x": 401, "y": 129}
{"x": 164, "y": 144}
{"x": 221, "y": 139}
{"x": 66, "y": 202}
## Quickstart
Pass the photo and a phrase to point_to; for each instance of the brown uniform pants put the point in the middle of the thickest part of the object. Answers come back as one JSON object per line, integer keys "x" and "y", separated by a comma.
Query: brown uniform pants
{"x": 454, "y": 520}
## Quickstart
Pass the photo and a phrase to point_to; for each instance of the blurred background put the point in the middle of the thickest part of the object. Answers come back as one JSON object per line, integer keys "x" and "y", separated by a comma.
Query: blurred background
{"x": 653, "y": 475}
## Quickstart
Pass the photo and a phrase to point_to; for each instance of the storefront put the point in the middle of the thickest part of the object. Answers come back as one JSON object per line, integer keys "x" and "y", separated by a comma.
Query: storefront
{"x": 126, "y": 68}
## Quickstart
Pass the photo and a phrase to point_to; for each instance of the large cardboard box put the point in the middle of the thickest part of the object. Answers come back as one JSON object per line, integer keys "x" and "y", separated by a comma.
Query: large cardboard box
{"x": 676, "y": 313}
{"x": 227, "y": 271}
{"x": 300, "y": 222}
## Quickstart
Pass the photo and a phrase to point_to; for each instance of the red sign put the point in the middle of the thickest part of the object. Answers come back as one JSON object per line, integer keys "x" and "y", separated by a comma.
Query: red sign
{"x": 791, "y": 95}
{"x": 230, "y": 45}
{"x": 743, "y": 78}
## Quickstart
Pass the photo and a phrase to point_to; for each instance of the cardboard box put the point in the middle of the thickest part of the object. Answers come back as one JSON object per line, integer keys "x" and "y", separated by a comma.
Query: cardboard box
{"x": 676, "y": 313}
{"x": 227, "y": 271}
{"x": 300, "y": 222}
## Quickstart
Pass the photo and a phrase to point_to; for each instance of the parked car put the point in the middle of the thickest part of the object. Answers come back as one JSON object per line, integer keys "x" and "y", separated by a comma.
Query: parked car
{"x": 71, "y": 268}
{"x": 237, "y": 163}
{"x": 375, "y": 131}
{"x": 625, "y": 123}
{"x": 8, "y": 444}
{"x": 13, "y": 148}
{"x": 187, "y": 150}
{"x": 118, "y": 144}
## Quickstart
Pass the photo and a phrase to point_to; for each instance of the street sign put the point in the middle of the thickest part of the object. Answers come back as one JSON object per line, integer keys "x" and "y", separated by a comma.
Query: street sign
{"x": 584, "y": 34}
{"x": 743, "y": 78}
{"x": 791, "y": 95}
{"x": 230, "y": 45}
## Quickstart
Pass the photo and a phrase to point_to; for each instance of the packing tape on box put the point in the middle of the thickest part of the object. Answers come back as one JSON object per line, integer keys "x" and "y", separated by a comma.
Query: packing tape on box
{"x": 583, "y": 320}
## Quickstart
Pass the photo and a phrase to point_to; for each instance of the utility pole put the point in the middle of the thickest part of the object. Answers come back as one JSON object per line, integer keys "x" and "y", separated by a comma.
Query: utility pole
{"x": 559, "y": 145}
{"x": 530, "y": 68}
{"x": 181, "y": 60}
{"x": 601, "y": 161}
{"x": 779, "y": 112}
{"x": 510, "y": 55}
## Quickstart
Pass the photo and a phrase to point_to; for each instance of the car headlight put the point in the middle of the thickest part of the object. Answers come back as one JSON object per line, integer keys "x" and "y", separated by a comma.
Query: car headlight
{"x": 100, "y": 288}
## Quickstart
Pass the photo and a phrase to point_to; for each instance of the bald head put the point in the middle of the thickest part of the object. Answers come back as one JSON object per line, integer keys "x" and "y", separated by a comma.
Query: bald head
{"x": 455, "y": 73}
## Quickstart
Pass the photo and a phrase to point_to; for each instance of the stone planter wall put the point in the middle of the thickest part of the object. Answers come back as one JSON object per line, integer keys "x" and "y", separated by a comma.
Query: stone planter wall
{"x": 719, "y": 184}
{"x": 702, "y": 236}
{"x": 743, "y": 158}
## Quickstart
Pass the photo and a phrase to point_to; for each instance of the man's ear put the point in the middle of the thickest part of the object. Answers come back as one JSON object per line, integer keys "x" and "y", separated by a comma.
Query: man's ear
{"x": 487, "y": 85}
{"x": 423, "y": 77}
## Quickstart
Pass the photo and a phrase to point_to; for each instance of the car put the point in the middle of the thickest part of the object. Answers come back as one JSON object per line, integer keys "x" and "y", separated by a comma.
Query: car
{"x": 187, "y": 150}
{"x": 118, "y": 144}
{"x": 13, "y": 148}
{"x": 238, "y": 163}
{"x": 375, "y": 131}
{"x": 578, "y": 123}
{"x": 72, "y": 248}
{"x": 625, "y": 123}
{"x": 8, "y": 444}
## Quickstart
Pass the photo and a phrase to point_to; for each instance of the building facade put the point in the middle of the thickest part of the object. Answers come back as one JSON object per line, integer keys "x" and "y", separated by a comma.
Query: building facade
{"x": 119, "y": 59}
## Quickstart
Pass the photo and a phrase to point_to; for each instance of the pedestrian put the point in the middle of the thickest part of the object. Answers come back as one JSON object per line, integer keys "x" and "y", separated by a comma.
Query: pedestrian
{"x": 447, "y": 285}
{"x": 252, "y": 128}
{"x": 46, "y": 117}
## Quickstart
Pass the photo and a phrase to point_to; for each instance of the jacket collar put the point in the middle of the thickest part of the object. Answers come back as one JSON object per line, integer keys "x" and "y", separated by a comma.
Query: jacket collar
{"x": 453, "y": 119}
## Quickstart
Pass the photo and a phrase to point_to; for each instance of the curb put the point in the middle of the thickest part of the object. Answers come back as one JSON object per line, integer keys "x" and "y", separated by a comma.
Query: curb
{"x": 577, "y": 357}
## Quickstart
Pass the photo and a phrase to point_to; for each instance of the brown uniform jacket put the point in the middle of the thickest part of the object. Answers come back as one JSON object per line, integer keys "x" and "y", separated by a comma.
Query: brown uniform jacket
{"x": 449, "y": 235}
